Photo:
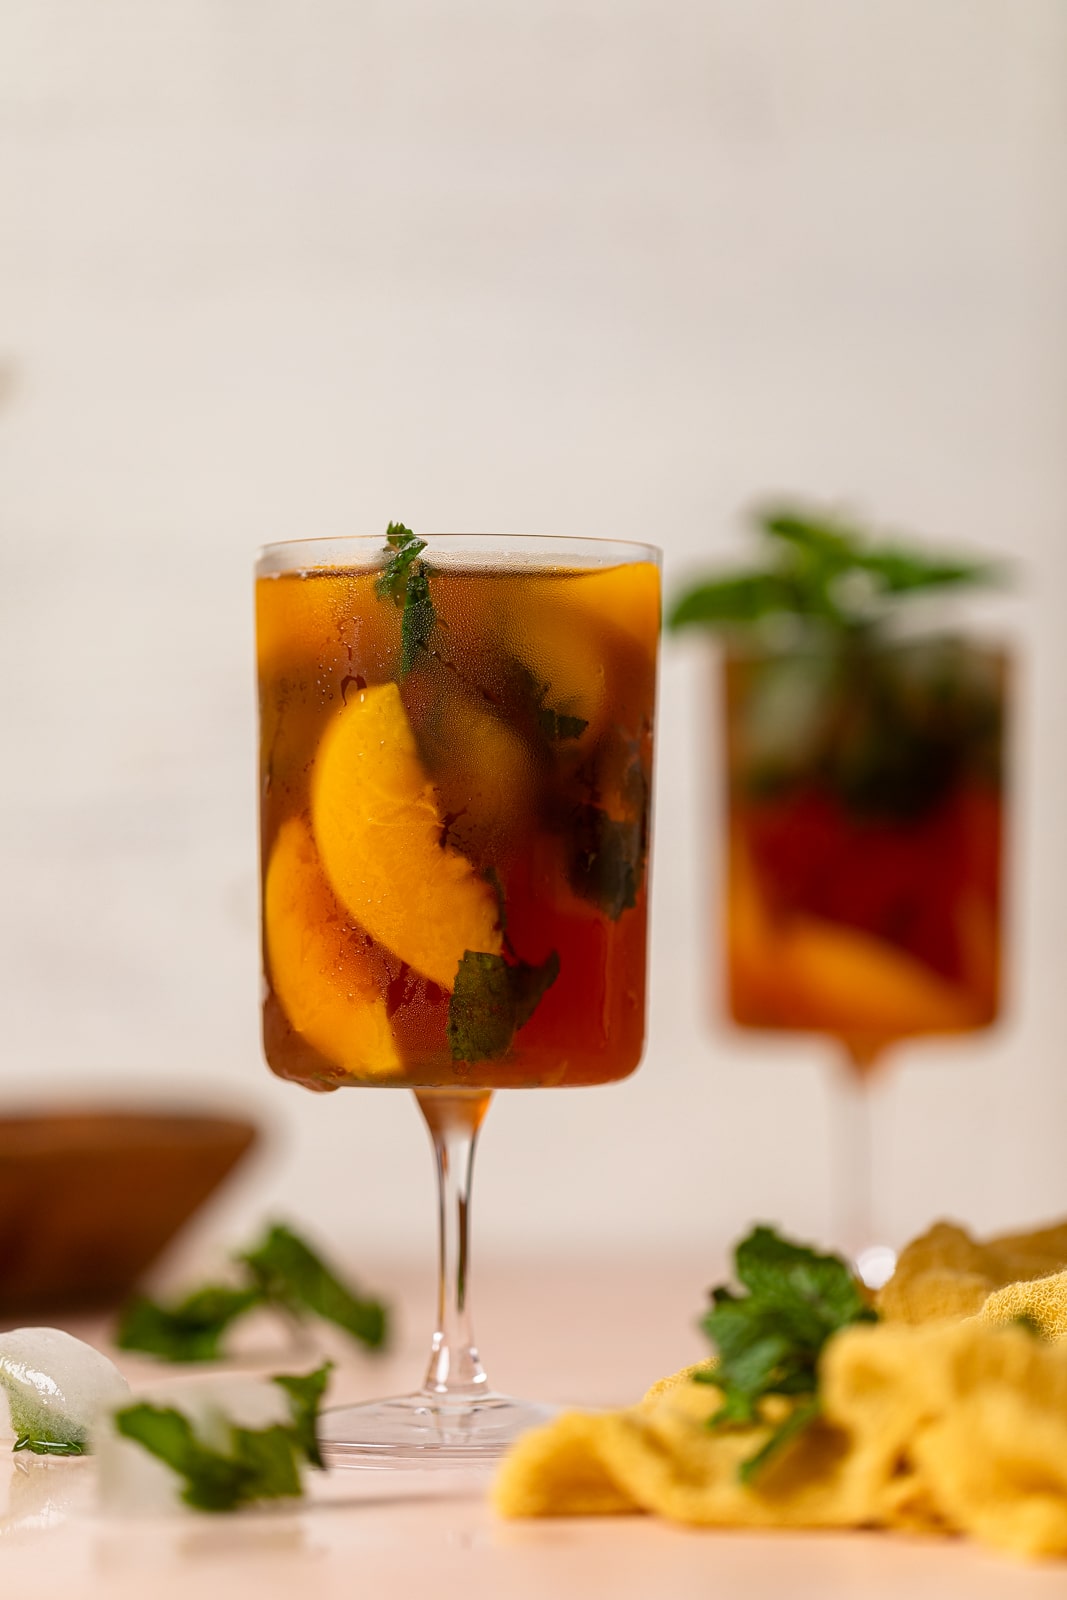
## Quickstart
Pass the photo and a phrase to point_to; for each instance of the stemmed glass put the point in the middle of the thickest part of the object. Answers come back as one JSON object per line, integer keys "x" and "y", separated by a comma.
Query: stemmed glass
{"x": 865, "y": 805}
{"x": 456, "y": 747}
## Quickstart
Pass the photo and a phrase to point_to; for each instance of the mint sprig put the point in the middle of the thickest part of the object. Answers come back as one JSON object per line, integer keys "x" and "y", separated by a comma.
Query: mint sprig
{"x": 404, "y": 581}
{"x": 769, "y": 1339}
{"x": 281, "y": 1273}
{"x": 826, "y": 571}
{"x": 259, "y": 1464}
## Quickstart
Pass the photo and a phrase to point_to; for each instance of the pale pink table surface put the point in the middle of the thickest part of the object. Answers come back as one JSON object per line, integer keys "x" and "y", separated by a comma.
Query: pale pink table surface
{"x": 597, "y": 1333}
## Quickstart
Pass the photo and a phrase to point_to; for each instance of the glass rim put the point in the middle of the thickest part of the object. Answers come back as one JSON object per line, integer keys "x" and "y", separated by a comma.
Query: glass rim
{"x": 299, "y": 555}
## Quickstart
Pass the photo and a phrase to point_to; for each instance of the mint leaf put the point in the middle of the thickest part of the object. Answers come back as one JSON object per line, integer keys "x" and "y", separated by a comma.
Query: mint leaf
{"x": 557, "y": 726}
{"x": 742, "y": 598}
{"x": 213, "y": 1482}
{"x": 769, "y": 1340}
{"x": 290, "y": 1274}
{"x": 282, "y": 1274}
{"x": 525, "y": 697}
{"x": 491, "y": 1000}
{"x": 270, "y": 1459}
{"x": 901, "y": 571}
{"x": 305, "y": 1397}
{"x": 391, "y": 584}
{"x": 818, "y": 1290}
{"x": 261, "y": 1464}
{"x": 608, "y": 856}
{"x": 192, "y": 1329}
{"x": 404, "y": 581}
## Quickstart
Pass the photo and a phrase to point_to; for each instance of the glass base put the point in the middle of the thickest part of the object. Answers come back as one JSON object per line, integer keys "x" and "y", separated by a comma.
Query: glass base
{"x": 427, "y": 1430}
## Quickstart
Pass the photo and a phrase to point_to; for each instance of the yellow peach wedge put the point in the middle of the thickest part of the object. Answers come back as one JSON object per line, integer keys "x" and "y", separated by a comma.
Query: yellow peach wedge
{"x": 626, "y": 597}
{"x": 325, "y": 620}
{"x": 562, "y": 652}
{"x": 318, "y": 963}
{"x": 378, "y": 829}
{"x": 852, "y": 984}
{"x": 485, "y": 778}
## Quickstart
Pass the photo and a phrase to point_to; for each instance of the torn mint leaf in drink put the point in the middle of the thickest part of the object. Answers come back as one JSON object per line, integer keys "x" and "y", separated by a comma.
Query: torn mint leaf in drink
{"x": 192, "y": 1329}
{"x": 608, "y": 854}
{"x": 491, "y": 1000}
{"x": 56, "y": 1386}
{"x": 404, "y": 581}
{"x": 291, "y": 1274}
{"x": 532, "y": 702}
{"x": 558, "y": 726}
{"x": 222, "y": 1445}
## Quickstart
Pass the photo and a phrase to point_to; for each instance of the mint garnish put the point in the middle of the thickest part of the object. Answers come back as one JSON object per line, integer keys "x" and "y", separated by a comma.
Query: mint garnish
{"x": 769, "y": 1339}
{"x": 404, "y": 581}
{"x": 833, "y": 575}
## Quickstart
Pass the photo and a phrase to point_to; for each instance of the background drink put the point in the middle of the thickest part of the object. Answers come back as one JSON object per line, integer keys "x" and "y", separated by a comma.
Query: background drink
{"x": 865, "y": 826}
{"x": 487, "y": 791}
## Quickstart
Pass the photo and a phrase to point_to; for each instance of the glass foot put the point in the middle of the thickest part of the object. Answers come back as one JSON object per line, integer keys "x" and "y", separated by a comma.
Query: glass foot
{"x": 427, "y": 1430}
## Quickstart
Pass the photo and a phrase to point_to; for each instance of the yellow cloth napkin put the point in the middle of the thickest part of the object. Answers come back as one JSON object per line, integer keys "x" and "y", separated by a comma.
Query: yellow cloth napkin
{"x": 946, "y": 1273}
{"x": 955, "y": 1425}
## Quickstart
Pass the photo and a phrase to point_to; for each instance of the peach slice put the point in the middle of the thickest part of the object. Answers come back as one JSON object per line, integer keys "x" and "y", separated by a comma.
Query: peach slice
{"x": 318, "y": 962}
{"x": 484, "y": 777}
{"x": 627, "y": 597}
{"x": 562, "y": 652}
{"x": 379, "y": 834}
{"x": 805, "y": 972}
{"x": 852, "y": 984}
{"x": 331, "y": 622}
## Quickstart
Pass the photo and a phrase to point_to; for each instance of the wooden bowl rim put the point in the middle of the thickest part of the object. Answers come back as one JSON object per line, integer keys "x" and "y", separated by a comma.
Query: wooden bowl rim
{"x": 95, "y": 1128}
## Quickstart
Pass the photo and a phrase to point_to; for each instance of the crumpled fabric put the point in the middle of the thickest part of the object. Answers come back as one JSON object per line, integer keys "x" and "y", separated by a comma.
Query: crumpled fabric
{"x": 946, "y": 1273}
{"x": 955, "y": 1425}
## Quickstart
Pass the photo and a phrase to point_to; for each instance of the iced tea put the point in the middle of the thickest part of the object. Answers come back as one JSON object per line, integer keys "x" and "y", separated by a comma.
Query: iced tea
{"x": 455, "y": 802}
{"x": 865, "y": 824}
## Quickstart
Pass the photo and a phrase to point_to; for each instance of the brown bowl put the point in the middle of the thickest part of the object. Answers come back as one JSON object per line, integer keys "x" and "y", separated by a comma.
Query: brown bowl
{"x": 88, "y": 1199}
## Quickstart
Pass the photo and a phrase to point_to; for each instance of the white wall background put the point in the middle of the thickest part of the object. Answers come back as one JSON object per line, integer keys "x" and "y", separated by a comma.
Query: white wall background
{"x": 272, "y": 269}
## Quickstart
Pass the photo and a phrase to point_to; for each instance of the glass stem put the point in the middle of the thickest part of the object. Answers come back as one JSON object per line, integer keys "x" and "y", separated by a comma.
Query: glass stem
{"x": 854, "y": 1199}
{"x": 454, "y": 1117}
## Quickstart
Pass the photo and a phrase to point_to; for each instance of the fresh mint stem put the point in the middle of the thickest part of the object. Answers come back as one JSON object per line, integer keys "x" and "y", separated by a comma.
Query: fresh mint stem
{"x": 404, "y": 581}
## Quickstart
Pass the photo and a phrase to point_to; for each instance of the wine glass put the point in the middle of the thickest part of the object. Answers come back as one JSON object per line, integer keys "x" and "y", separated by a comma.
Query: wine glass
{"x": 456, "y": 748}
{"x": 865, "y": 822}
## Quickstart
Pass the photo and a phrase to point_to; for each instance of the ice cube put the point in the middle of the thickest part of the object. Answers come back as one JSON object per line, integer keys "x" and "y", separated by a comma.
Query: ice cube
{"x": 56, "y": 1385}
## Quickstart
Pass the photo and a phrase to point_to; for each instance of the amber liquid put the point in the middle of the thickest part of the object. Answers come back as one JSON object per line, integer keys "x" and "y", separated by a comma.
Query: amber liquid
{"x": 491, "y": 795}
{"x": 876, "y": 921}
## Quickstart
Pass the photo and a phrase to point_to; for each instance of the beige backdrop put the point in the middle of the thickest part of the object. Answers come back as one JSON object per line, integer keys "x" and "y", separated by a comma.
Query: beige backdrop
{"x": 612, "y": 267}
